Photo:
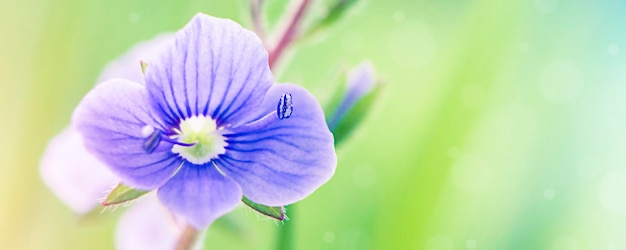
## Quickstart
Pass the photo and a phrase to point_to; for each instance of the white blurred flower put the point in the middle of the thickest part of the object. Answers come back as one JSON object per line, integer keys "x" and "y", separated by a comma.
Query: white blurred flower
{"x": 148, "y": 225}
{"x": 73, "y": 174}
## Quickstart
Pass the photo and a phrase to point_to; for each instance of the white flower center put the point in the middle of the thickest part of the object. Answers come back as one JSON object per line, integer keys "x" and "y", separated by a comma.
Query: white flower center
{"x": 201, "y": 131}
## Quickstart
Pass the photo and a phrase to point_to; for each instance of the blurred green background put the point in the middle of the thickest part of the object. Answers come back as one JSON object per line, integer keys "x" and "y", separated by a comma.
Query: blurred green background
{"x": 501, "y": 125}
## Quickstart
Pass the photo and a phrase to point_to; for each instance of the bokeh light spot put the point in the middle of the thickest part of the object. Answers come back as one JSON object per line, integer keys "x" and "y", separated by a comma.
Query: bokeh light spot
{"x": 440, "y": 242}
{"x": 412, "y": 44}
{"x": 613, "y": 50}
{"x": 133, "y": 18}
{"x": 473, "y": 96}
{"x": 566, "y": 243}
{"x": 470, "y": 244}
{"x": 471, "y": 174}
{"x": 329, "y": 237}
{"x": 352, "y": 42}
{"x": 523, "y": 47}
{"x": 611, "y": 192}
{"x": 453, "y": 152}
{"x": 364, "y": 176}
{"x": 546, "y": 6}
{"x": 398, "y": 16}
{"x": 561, "y": 82}
{"x": 549, "y": 194}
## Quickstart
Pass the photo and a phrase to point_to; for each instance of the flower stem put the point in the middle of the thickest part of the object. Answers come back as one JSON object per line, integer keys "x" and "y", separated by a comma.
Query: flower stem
{"x": 187, "y": 238}
{"x": 285, "y": 240}
{"x": 290, "y": 32}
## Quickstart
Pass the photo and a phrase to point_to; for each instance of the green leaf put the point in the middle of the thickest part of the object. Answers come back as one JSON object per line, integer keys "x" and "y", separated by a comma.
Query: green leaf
{"x": 354, "y": 116}
{"x": 335, "y": 13}
{"x": 274, "y": 212}
{"x": 122, "y": 193}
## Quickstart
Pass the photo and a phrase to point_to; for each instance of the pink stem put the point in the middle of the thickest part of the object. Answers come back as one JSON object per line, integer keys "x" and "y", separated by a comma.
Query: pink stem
{"x": 187, "y": 238}
{"x": 289, "y": 34}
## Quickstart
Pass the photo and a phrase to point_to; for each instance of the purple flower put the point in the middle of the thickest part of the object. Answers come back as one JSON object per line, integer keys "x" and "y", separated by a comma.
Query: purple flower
{"x": 210, "y": 126}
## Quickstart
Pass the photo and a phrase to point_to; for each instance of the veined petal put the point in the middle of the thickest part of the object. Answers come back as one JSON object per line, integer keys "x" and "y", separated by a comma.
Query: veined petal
{"x": 213, "y": 68}
{"x": 73, "y": 174}
{"x": 287, "y": 160}
{"x": 200, "y": 193}
{"x": 111, "y": 118}
{"x": 148, "y": 225}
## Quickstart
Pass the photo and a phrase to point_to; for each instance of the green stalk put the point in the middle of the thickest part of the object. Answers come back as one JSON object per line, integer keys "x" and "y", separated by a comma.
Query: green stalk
{"x": 285, "y": 240}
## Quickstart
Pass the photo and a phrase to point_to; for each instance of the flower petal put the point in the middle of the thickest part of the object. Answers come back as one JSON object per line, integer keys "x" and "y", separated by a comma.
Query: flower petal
{"x": 201, "y": 194}
{"x": 73, "y": 174}
{"x": 289, "y": 159}
{"x": 147, "y": 225}
{"x": 111, "y": 118}
{"x": 213, "y": 68}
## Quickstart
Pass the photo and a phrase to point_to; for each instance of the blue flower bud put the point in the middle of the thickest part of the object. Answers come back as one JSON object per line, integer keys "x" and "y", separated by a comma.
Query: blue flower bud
{"x": 356, "y": 99}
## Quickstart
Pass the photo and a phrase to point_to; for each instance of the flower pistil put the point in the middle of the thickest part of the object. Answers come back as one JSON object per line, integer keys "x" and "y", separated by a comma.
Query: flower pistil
{"x": 203, "y": 141}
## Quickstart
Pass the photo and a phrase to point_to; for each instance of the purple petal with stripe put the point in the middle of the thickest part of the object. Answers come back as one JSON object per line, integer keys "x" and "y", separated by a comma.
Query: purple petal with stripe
{"x": 111, "y": 118}
{"x": 214, "y": 68}
{"x": 289, "y": 159}
{"x": 200, "y": 193}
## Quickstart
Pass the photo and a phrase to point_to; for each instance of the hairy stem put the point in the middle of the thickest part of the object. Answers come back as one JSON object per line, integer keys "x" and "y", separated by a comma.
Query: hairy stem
{"x": 290, "y": 32}
{"x": 187, "y": 238}
{"x": 285, "y": 240}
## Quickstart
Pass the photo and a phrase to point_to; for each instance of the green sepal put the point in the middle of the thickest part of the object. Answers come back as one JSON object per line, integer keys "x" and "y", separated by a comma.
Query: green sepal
{"x": 144, "y": 65}
{"x": 355, "y": 114}
{"x": 273, "y": 212}
{"x": 122, "y": 193}
{"x": 335, "y": 13}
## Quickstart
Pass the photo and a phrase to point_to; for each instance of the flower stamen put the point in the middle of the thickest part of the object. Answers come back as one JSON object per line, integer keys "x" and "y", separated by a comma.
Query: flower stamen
{"x": 154, "y": 138}
{"x": 284, "y": 109}
{"x": 175, "y": 142}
